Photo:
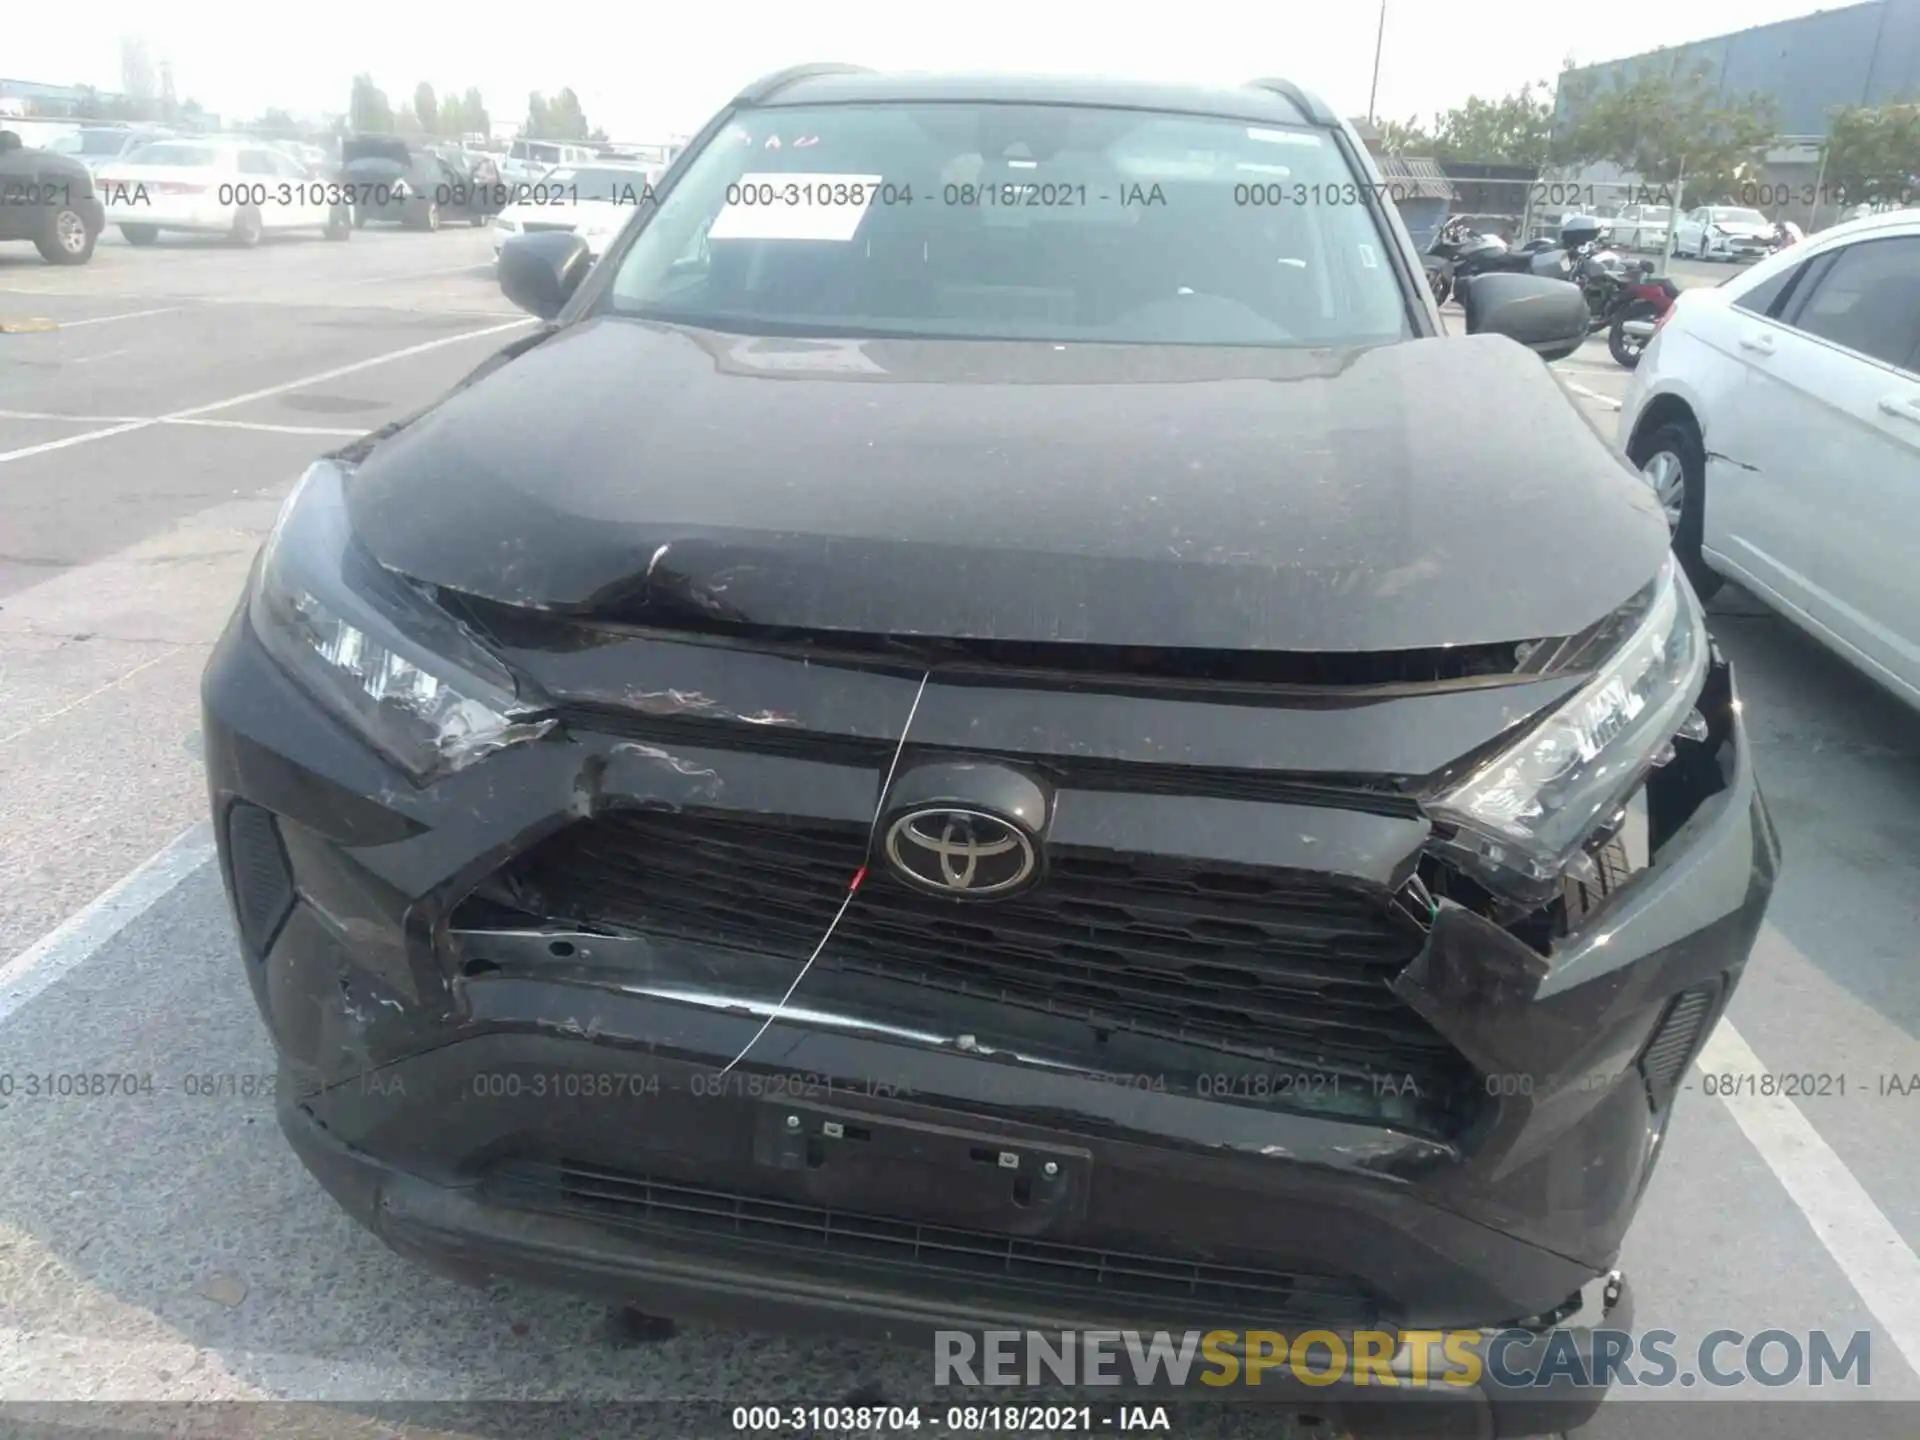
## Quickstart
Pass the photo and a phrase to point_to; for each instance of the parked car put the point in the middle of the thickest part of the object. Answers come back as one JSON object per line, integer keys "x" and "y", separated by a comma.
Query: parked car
{"x": 94, "y": 145}
{"x": 1641, "y": 227}
{"x": 1777, "y": 417}
{"x": 242, "y": 189}
{"x": 593, "y": 202}
{"x": 49, "y": 199}
{"x": 528, "y": 160}
{"x": 1220, "y": 784}
{"x": 407, "y": 182}
{"x": 1724, "y": 232}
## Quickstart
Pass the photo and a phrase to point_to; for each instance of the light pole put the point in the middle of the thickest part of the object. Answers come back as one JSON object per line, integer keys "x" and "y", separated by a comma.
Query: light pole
{"x": 1378, "y": 39}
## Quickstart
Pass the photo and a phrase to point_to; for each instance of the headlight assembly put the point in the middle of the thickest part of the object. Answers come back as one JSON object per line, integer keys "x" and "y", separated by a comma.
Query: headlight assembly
{"x": 404, "y": 674}
{"x": 1522, "y": 819}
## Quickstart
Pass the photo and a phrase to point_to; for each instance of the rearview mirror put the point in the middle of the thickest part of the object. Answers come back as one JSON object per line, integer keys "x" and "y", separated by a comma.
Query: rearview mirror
{"x": 539, "y": 273}
{"x": 1547, "y": 316}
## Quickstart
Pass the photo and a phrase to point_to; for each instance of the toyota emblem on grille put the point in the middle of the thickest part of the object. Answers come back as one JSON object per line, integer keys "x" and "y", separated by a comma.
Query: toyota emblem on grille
{"x": 964, "y": 854}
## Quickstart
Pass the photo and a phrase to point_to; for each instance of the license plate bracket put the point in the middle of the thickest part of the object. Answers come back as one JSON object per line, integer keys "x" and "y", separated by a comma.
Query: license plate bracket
{"x": 856, "y": 1160}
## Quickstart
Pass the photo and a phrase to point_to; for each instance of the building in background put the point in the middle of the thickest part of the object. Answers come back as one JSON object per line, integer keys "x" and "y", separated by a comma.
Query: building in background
{"x": 1867, "y": 54}
{"x": 1860, "y": 55}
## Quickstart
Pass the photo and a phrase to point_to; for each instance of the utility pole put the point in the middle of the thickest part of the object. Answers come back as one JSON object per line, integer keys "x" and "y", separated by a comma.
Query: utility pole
{"x": 1379, "y": 39}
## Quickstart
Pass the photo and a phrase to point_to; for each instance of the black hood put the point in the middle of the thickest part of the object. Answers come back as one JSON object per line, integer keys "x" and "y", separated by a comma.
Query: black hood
{"x": 1436, "y": 492}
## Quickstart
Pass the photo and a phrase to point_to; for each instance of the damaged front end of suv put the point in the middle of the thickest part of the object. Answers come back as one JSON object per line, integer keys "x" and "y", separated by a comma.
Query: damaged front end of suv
{"x": 929, "y": 832}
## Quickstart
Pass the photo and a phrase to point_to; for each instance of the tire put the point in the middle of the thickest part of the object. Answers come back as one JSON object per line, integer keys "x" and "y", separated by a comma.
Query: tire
{"x": 140, "y": 234}
{"x": 67, "y": 239}
{"x": 247, "y": 229}
{"x": 1679, "y": 439}
{"x": 1625, "y": 355}
{"x": 431, "y": 220}
{"x": 1703, "y": 247}
{"x": 359, "y": 218}
{"x": 476, "y": 221}
{"x": 339, "y": 225}
{"x": 1583, "y": 897}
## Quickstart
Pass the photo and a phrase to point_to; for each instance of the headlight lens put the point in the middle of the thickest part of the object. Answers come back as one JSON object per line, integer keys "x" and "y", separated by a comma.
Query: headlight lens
{"x": 1524, "y": 816}
{"x": 406, "y": 675}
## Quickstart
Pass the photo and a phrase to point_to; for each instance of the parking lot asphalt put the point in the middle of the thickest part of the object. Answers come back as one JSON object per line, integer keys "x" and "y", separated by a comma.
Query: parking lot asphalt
{"x": 168, "y": 1246}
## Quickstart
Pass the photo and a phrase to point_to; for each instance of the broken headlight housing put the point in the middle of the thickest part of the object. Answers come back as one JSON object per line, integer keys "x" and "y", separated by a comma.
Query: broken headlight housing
{"x": 369, "y": 646}
{"x": 1522, "y": 820}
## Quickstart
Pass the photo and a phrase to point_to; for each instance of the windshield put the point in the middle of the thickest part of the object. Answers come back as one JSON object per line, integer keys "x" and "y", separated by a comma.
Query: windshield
{"x": 89, "y": 142}
{"x": 610, "y": 184}
{"x": 167, "y": 154}
{"x": 1030, "y": 222}
{"x": 1741, "y": 217}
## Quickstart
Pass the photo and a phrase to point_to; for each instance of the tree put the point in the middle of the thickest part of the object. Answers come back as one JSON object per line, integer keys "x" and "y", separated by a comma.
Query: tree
{"x": 1658, "y": 124}
{"x": 368, "y": 108}
{"x": 565, "y": 118}
{"x": 1873, "y": 152}
{"x": 473, "y": 112}
{"x": 1515, "y": 129}
{"x": 427, "y": 107}
{"x": 278, "y": 124}
{"x": 1405, "y": 137}
{"x": 536, "y": 126}
{"x": 138, "y": 82}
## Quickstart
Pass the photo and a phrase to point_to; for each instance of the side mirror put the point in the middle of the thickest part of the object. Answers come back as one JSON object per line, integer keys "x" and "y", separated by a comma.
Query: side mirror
{"x": 1547, "y": 316}
{"x": 10, "y": 142}
{"x": 540, "y": 272}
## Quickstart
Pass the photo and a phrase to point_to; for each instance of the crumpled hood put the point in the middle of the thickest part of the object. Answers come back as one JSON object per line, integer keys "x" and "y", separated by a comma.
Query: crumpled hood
{"x": 1441, "y": 491}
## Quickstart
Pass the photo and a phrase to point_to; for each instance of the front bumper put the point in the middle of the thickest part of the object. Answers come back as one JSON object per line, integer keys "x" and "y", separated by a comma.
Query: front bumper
{"x": 495, "y": 1101}
{"x": 168, "y": 212}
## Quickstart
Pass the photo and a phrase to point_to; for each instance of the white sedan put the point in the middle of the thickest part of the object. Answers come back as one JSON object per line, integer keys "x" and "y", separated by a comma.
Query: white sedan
{"x": 1723, "y": 232}
{"x": 1641, "y": 227}
{"x": 219, "y": 187}
{"x": 1777, "y": 418}
{"x": 593, "y": 202}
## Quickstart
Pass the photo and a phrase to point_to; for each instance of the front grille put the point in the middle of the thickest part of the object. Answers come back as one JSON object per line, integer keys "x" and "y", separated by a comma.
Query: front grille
{"x": 903, "y": 1251}
{"x": 1260, "y": 963}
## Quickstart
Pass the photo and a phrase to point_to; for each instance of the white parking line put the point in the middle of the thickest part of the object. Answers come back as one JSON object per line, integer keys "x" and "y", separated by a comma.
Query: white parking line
{"x": 1581, "y": 390}
{"x": 129, "y": 315}
{"x": 266, "y": 393}
{"x": 176, "y": 420}
{"x": 86, "y": 933}
{"x": 1862, "y": 1241}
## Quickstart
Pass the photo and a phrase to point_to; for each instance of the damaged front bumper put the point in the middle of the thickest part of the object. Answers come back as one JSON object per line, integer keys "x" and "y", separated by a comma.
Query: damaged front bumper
{"x": 919, "y": 1139}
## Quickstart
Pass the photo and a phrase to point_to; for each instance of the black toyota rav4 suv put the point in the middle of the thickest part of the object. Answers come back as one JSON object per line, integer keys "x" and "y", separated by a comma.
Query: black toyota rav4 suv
{"x": 990, "y": 725}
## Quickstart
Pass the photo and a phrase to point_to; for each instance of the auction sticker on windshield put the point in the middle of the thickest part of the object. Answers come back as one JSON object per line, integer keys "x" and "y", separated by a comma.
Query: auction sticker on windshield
{"x": 792, "y": 206}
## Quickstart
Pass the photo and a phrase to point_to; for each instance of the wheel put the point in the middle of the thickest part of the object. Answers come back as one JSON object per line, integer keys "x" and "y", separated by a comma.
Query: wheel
{"x": 431, "y": 221}
{"x": 476, "y": 221}
{"x": 339, "y": 225}
{"x": 140, "y": 234}
{"x": 1625, "y": 349}
{"x": 247, "y": 228}
{"x": 359, "y": 218}
{"x": 67, "y": 240}
{"x": 1674, "y": 464}
{"x": 1703, "y": 245}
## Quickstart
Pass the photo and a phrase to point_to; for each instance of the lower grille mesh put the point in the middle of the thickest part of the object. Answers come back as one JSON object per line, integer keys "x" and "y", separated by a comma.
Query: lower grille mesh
{"x": 1029, "y": 1268}
{"x": 1285, "y": 968}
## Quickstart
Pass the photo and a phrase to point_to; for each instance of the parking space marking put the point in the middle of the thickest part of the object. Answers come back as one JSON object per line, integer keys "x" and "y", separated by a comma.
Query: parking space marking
{"x": 85, "y": 933}
{"x": 1584, "y": 393}
{"x": 471, "y": 268}
{"x": 129, "y": 315}
{"x": 1856, "y": 1233}
{"x": 264, "y": 428}
{"x": 46, "y": 446}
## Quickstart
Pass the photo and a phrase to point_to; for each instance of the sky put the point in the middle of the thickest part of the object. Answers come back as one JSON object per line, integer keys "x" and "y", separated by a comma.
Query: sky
{"x": 645, "y": 72}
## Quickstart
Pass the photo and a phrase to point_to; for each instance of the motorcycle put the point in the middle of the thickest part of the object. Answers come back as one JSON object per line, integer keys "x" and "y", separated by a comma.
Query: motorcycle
{"x": 1460, "y": 252}
{"x": 1627, "y": 302}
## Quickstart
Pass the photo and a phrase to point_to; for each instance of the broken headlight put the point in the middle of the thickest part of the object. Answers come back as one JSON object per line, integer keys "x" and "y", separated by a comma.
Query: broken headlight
{"x": 373, "y": 649}
{"x": 1523, "y": 818}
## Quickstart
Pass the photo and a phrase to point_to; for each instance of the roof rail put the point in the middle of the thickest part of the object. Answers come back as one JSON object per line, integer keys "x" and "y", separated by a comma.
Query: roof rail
{"x": 1310, "y": 105}
{"x": 767, "y": 86}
